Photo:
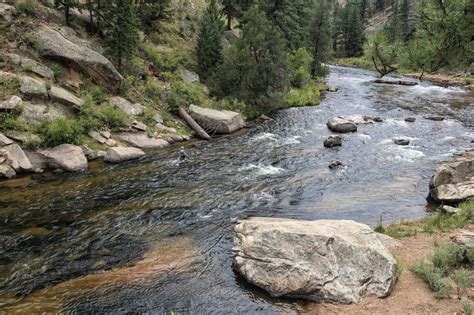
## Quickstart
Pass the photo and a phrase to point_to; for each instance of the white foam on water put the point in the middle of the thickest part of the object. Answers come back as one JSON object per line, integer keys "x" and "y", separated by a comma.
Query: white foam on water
{"x": 405, "y": 154}
{"x": 291, "y": 140}
{"x": 395, "y": 122}
{"x": 425, "y": 89}
{"x": 364, "y": 136}
{"x": 265, "y": 136}
{"x": 261, "y": 169}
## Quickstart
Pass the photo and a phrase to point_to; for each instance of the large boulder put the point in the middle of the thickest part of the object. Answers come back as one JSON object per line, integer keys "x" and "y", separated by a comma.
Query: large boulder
{"x": 54, "y": 45}
{"x": 122, "y": 154}
{"x": 321, "y": 261}
{"x": 62, "y": 96}
{"x": 140, "y": 140}
{"x": 6, "y": 171}
{"x": 31, "y": 65}
{"x": 127, "y": 107}
{"x": 219, "y": 121}
{"x": 454, "y": 181}
{"x": 33, "y": 87}
{"x": 342, "y": 125}
{"x": 17, "y": 157}
{"x": 68, "y": 157}
{"x": 41, "y": 112}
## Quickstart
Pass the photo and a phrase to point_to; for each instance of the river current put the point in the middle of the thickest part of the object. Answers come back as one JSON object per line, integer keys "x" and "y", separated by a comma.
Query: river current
{"x": 149, "y": 236}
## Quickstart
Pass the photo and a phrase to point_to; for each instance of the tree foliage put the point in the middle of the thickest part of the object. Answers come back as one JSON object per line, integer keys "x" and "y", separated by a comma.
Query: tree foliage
{"x": 209, "y": 42}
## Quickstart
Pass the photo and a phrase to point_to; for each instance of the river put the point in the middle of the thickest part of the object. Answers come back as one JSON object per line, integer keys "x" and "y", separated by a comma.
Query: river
{"x": 149, "y": 236}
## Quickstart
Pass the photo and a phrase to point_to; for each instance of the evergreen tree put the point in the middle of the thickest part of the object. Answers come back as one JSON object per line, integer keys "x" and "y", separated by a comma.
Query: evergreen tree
{"x": 209, "y": 42}
{"x": 231, "y": 10}
{"x": 320, "y": 36}
{"x": 152, "y": 10}
{"x": 255, "y": 69}
{"x": 406, "y": 29}
{"x": 352, "y": 30}
{"x": 121, "y": 37}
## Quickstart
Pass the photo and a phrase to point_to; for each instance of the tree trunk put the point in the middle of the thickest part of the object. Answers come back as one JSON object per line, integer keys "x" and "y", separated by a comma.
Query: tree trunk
{"x": 193, "y": 124}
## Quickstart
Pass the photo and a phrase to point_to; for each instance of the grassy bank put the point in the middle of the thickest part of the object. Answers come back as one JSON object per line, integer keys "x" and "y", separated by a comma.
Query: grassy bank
{"x": 436, "y": 223}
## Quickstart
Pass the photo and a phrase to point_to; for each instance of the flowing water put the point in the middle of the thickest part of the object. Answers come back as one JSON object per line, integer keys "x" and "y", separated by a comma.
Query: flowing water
{"x": 150, "y": 236}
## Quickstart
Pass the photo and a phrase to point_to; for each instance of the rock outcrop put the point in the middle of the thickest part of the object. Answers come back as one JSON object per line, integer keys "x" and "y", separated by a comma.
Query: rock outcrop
{"x": 5, "y": 140}
{"x": 62, "y": 96}
{"x": 218, "y": 121}
{"x": 122, "y": 154}
{"x": 454, "y": 181}
{"x": 31, "y": 65}
{"x": 11, "y": 104}
{"x": 140, "y": 140}
{"x": 54, "y": 45}
{"x": 322, "y": 261}
{"x": 67, "y": 157}
{"x": 33, "y": 88}
{"x": 126, "y": 106}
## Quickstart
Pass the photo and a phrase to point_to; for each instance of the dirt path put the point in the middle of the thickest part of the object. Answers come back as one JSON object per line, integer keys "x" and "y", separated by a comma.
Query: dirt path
{"x": 410, "y": 295}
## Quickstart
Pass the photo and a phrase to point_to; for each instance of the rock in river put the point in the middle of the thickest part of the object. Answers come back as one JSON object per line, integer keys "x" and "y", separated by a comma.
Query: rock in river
{"x": 324, "y": 261}
{"x": 333, "y": 141}
{"x": 122, "y": 154}
{"x": 68, "y": 157}
{"x": 141, "y": 140}
{"x": 454, "y": 181}
{"x": 18, "y": 159}
{"x": 219, "y": 121}
{"x": 401, "y": 141}
{"x": 342, "y": 125}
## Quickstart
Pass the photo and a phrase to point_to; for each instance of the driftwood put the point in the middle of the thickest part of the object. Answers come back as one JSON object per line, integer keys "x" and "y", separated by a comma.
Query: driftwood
{"x": 398, "y": 82}
{"x": 193, "y": 124}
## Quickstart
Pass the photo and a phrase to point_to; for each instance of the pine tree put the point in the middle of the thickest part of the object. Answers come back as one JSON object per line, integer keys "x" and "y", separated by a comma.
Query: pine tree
{"x": 230, "y": 9}
{"x": 209, "y": 42}
{"x": 152, "y": 10}
{"x": 320, "y": 36}
{"x": 353, "y": 30}
{"x": 121, "y": 25}
{"x": 255, "y": 69}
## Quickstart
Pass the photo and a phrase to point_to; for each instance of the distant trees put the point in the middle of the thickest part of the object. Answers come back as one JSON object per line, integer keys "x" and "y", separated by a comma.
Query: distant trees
{"x": 209, "y": 41}
{"x": 320, "y": 41}
{"x": 122, "y": 29}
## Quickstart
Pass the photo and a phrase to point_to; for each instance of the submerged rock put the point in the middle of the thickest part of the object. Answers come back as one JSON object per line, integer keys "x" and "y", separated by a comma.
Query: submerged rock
{"x": 435, "y": 118}
{"x": 219, "y": 121}
{"x": 322, "y": 261}
{"x": 67, "y": 157}
{"x": 454, "y": 180}
{"x": 342, "y": 125}
{"x": 335, "y": 164}
{"x": 333, "y": 141}
{"x": 122, "y": 154}
{"x": 401, "y": 141}
{"x": 410, "y": 119}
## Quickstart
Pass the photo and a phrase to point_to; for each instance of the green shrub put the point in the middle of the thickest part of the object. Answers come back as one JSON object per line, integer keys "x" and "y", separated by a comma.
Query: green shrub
{"x": 434, "y": 277}
{"x": 300, "y": 63}
{"x": 111, "y": 116}
{"x": 13, "y": 122}
{"x": 184, "y": 94}
{"x": 62, "y": 130}
{"x": 29, "y": 7}
{"x": 305, "y": 96}
{"x": 229, "y": 104}
{"x": 9, "y": 86}
{"x": 167, "y": 58}
{"x": 464, "y": 279}
{"x": 447, "y": 256}
{"x": 470, "y": 255}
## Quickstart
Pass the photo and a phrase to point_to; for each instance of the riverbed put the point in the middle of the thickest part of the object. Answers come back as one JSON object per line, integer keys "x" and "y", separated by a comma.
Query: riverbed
{"x": 151, "y": 236}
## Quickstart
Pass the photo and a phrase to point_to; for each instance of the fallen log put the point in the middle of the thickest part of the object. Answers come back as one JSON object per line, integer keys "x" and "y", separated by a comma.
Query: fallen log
{"x": 193, "y": 124}
{"x": 398, "y": 82}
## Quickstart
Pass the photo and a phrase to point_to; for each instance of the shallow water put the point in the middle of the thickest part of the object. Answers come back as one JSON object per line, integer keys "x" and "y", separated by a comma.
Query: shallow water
{"x": 148, "y": 236}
